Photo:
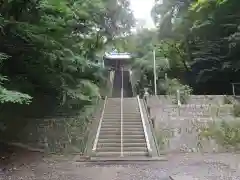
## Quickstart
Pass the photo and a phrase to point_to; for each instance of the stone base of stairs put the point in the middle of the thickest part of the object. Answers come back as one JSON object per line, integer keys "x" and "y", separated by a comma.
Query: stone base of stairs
{"x": 127, "y": 159}
{"x": 182, "y": 177}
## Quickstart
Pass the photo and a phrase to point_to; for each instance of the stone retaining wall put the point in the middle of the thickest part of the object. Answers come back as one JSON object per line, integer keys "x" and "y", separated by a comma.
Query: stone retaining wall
{"x": 178, "y": 128}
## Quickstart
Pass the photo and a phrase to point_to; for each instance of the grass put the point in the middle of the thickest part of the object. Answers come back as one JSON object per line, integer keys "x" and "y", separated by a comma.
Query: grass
{"x": 225, "y": 133}
{"x": 226, "y": 100}
{"x": 163, "y": 138}
{"x": 236, "y": 110}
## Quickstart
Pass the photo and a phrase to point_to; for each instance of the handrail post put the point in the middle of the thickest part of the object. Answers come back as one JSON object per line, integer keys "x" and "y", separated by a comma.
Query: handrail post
{"x": 144, "y": 127}
{"x": 122, "y": 115}
{"x": 112, "y": 74}
{"x": 99, "y": 126}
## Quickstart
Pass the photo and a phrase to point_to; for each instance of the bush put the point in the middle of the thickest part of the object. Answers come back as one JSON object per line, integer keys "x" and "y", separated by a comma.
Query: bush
{"x": 225, "y": 133}
{"x": 236, "y": 110}
{"x": 185, "y": 91}
{"x": 226, "y": 100}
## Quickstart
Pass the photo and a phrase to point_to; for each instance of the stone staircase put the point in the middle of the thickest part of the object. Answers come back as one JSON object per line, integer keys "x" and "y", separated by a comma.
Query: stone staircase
{"x": 134, "y": 142}
{"x": 109, "y": 142}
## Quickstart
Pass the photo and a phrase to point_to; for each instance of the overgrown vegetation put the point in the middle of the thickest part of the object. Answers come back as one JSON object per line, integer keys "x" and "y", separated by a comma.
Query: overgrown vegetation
{"x": 184, "y": 90}
{"x": 50, "y": 52}
{"x": 225, "y": 133}
{"x": 236, "y": 110}
{"x": 196, "y": 41}
{"x": 226, "y": 100}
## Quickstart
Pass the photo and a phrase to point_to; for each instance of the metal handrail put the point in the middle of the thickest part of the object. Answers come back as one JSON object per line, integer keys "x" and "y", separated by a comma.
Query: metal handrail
{"x": 151, "y": 126}
{"x": 99, "y": 126}
{"x": 144, "y": 127}
{"x": 122, "y": 116}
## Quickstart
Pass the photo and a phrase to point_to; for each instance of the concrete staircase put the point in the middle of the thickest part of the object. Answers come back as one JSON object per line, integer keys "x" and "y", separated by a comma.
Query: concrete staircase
{"x": 133, "y": 142}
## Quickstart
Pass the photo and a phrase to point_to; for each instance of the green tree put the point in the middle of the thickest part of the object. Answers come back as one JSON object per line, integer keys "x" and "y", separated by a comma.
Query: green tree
{"x": 50, "y": 46}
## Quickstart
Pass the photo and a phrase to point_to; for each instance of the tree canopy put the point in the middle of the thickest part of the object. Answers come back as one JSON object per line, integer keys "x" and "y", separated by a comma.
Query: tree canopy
{"x": 206, "y": 35}
{"x": 196, "y": 41}
{"x": 52, "y": 47}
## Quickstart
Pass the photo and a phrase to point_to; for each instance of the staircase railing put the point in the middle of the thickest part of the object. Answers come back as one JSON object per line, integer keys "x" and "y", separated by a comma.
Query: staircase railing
{"x": 122, "y": 116}
{"x": 144, "y": 127}
{"x": 151, "y": 126}
{"x": 99, "y": 126}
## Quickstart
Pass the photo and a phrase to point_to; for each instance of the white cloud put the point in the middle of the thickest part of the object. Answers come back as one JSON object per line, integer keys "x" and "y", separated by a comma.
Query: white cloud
{"x": 142, "y": 11}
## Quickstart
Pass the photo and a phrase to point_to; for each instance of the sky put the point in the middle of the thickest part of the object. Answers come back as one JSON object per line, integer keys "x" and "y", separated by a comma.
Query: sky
{"x": 142, "y": 11}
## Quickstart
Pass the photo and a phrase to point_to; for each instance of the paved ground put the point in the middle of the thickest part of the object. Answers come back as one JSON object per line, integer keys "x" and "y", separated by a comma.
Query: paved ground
{"x": 207, "y": 167}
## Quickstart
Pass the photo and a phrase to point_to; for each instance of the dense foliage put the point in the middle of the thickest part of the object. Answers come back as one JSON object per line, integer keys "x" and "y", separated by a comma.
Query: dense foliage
{"x": 50, "y": 64}
{"x": 199, "y": 39}
{"x": 206, "y": 35}
{"x": 51, "y": 47}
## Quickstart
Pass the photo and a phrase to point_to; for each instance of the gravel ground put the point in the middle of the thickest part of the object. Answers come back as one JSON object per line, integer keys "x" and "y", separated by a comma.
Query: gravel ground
{"x": 205, "y": 167}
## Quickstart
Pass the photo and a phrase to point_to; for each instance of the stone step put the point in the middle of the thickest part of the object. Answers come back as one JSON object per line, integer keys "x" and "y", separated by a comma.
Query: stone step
{"x": 102, "y": 140}
{"x": 113, "y": 104}
{"x": 131, "y": 123}
{"x": 110, "y": 106}
{"x": 133, "y": 132}
{"x": 110, "y": 129}
{"x": 130, "y": 118}
{"x": 118, "y": 118}
{"x": 134, "y": 148}
{"x": 108, "y": 123}
{"x": 129, "y": 109}
{"x": 134, "y": 136}
{"x": 119, "y": 132}
{"x": 124, "y": 115}
{"x": 109, "y": 119}
{"x": 125, "y": 129}
{"x": 110, "y": 132}
{"x": 112, "y": 110}
{"x": 106, "y": 127}
{"x": 133, "y": 144}
{"x": 129, "y": 126}
{"x": 111, "y": 144}
{"x": 109, "y": 136}
{"x": 111, "y": 125}
{"x": 119, "y": 121}
{"x": 111, "y": 113}
{"x": 116, "y": 123}
{"x": 108, "y": 149}
{"x": 114, "y": 154}
{"x": 118, "y": 140}
{"x": 140, "y": 128}
{"x": 132, "y": 104}
{"x": 124, "y": 144}
{"x": 117, "y": 149}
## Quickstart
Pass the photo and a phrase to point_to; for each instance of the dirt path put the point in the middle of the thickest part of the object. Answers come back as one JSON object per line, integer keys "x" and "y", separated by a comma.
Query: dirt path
{"x": 34, "y": 166}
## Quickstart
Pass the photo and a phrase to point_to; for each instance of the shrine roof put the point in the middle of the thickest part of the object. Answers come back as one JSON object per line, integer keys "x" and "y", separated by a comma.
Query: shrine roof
{"x": 115, "y": 55}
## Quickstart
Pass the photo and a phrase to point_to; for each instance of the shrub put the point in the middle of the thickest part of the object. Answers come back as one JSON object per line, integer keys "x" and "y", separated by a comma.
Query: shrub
{"x": 185, "y": 90}
{"x": 236, "y": 110}
{"x": 226, "y": 100}
{"x": 225, "y": 133}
